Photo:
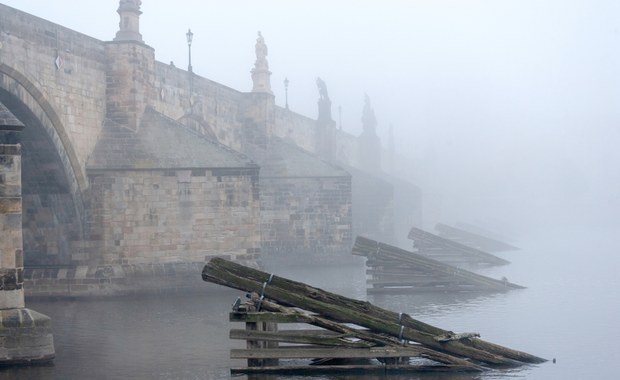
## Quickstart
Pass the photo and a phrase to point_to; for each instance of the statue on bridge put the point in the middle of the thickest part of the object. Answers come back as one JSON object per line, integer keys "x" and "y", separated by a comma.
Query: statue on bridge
{"x": 322, "y": 89}
{"x": 261, "y": 51}
{"x": 325, "y": 105}
{"x": 260, "y": 72}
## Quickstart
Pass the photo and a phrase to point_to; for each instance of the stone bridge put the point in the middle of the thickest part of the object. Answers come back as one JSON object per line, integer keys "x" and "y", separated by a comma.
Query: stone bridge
{"x": 133, "y": 168}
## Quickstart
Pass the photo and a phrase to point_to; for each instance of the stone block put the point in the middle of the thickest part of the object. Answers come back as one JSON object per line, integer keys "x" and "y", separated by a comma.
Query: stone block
{"x": 25, "y": 337}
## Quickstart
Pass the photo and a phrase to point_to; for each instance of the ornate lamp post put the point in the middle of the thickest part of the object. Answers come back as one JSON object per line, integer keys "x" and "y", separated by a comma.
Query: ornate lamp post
{"x": 286, "y": 91}
{"x": 189, "y": 36}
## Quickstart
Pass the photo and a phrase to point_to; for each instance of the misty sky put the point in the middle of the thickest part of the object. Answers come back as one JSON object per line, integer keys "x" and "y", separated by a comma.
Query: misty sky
{"x": 510, "y": 101}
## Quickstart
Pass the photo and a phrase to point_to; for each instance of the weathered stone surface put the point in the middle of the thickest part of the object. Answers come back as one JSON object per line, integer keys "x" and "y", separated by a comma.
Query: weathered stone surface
{"x": 25, "y": 337}
{"x": 88, "y": 202}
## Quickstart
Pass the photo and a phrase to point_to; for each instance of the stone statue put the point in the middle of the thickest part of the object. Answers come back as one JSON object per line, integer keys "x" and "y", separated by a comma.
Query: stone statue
{"x": 325, "y": 105}
{"x": 260, "y": 72}
{"x": 369, "y": 121}
{"x": 322, "y": 89}
{"x": 261, "y": 48}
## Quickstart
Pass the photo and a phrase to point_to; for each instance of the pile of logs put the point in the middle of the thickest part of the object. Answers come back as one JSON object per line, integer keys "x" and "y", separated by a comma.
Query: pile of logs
{"x": 394, "y": 341}
{"x": 395, "y": 270}
{"x": 449, "y": 251}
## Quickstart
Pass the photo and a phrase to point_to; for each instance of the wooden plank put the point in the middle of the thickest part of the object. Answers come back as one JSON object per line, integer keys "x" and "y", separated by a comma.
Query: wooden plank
{"x": 318, "y": 337}
{"x": 376, "y": 369}
{"x": 267, "y": 317}
{"x": 307, "y": 352}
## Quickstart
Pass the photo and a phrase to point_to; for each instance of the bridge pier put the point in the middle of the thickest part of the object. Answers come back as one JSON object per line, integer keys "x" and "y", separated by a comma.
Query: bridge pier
{"x": 25, "y": 335}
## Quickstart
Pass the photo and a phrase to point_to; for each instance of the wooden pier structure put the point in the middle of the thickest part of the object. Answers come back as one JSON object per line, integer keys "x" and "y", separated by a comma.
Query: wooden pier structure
{"x": 394, "y": 270}
{"x": 483, "y": 243}
{"x": 340, "y": 334}
{"x": 449, "y": 251}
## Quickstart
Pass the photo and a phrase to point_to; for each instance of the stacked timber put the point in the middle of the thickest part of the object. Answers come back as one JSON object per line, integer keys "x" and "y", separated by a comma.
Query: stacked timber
{"x": 343, "y": 329}
{"x": 395, "y": 270}
{"x": 474, "y": 240}
{"x": 450, "y": 252}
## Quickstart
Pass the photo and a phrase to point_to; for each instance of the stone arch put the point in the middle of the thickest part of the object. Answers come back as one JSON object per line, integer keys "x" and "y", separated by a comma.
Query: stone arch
{"x": 52, "y": 178}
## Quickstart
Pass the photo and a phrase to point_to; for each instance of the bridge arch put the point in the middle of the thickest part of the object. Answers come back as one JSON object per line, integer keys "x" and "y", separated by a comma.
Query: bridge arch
{"x": 52, "y": 178}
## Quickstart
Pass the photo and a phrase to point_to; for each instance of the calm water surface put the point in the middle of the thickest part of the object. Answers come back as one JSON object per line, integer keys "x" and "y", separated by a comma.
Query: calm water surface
{"x": 570, "y": 311}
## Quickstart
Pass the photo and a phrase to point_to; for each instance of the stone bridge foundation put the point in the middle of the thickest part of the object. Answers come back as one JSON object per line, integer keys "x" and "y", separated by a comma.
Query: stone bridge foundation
{"x": 25, "y": 335}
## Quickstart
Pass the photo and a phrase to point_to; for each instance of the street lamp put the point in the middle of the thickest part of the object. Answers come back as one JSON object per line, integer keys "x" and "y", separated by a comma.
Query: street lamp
{"x": 286, "y": 91}
{"x": 189, "y": 36}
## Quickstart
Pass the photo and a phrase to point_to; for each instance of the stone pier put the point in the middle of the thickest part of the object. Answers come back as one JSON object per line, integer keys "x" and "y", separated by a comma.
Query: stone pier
{"x": 25, "y": 335}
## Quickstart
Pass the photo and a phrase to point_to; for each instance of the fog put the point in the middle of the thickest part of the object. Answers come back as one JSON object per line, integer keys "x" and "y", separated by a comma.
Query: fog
{"x": 506, "y": 111}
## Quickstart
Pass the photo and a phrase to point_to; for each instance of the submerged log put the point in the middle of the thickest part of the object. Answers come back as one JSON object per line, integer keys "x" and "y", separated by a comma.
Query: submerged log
{"x": 345, "y": 310}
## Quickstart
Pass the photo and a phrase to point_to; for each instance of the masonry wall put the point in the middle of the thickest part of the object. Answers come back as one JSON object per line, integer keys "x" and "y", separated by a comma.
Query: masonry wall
{"x": 217, "y": 107}
{"x": 145, "y": 217}
{"x": 67, "y": 67}
{"x": 306, "y": 218}
{"x": 295, "y": 127}
{"x": 11, "y": 253}
{"x": 129, "y": 82}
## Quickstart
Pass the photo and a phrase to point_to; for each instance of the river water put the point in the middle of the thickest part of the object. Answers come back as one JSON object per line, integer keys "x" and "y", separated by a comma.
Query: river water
{"x": 570, "y": 311}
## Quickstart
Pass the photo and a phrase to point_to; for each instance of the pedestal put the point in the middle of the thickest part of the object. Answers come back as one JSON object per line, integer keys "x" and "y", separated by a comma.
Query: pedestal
{"x": 25, "y": 337}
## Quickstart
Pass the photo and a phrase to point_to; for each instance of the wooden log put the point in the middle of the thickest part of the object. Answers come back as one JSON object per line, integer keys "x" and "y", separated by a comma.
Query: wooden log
{"x": 365, "y": 335}
{"x": 346, "y": 310}
{"x": 333, "y": 310}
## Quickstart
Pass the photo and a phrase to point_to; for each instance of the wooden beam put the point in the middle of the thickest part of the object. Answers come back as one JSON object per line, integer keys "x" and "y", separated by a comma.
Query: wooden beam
{"x": 318, "y": 337}
{"x": 377, "y": 369}
{"x": 472, "y": 239}
{"x": 424, "y": 239}
{"x": 418, "y": 264}
{"x": 307, "y": 352}
{"x": 345, "y": 310}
